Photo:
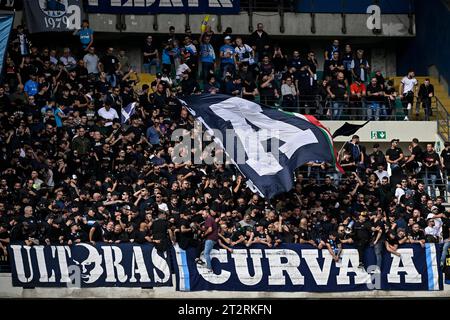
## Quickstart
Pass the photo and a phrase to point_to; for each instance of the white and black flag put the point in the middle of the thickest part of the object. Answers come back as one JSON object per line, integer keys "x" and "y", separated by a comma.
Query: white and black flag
{"x": 53, "y": 15}
{"x": 266, "y": 144}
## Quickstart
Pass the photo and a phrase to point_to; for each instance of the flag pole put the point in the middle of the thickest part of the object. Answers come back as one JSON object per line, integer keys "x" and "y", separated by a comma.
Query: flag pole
{"x": 249, "y": 183}
{"x": 342, "y": 148}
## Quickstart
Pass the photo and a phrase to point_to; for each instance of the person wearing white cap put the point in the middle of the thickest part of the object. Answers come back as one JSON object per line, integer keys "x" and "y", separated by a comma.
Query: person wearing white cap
{"x": 227, "y": 57}
{"x": 436, "y": 216}
{"x": 431, "y": 232}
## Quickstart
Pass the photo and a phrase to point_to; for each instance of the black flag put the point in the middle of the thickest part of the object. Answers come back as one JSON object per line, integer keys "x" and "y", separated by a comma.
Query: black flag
{"x": 53, "y": 15}
{"x": 348, "y": 129}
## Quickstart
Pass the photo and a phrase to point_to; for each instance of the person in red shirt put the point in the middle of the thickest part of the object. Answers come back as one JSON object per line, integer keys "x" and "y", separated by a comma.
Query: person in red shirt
{"x": 211, "y": 235}
{"x": 357, "y": 96}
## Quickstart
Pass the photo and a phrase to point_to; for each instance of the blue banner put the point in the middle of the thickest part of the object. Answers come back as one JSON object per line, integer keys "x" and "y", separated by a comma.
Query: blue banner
{"x": 295, "y": 267}
{"x": 6, "y": 23}
{"x": 447, "y": 266}
{"x": 84, "y": 265}
{"x": 162, "y": 6}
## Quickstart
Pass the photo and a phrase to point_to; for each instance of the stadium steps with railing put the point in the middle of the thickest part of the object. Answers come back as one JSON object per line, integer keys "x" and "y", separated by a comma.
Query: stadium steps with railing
{"x": 439, "y": 90}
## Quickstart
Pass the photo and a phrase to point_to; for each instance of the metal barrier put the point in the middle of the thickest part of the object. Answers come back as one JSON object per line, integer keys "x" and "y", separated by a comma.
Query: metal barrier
{"x": 272, "y": 7}
{"x": 441, "y": 189}
{"x": 329, "y": 109}
{"x": 443, "y": 120}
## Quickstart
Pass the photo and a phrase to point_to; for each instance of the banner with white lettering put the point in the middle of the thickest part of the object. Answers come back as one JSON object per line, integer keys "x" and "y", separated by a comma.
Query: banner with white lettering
{"x": 295, "y": 267}
{"x": 84, "y": 265}
{"x": 53, "y": 15}
{"x": 162, "y": 6}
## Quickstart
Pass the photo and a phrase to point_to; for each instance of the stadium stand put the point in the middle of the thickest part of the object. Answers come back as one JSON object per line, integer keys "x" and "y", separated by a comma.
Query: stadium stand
{"x": 87, "y": 155}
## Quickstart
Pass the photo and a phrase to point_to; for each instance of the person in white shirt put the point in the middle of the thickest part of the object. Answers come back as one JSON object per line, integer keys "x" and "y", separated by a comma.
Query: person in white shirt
{"x": 408, "y": 87}
{"x": 67, "y": 59}
{"x": 289, "y": 94}
{"x": 381, "y": 173}
{"x": 436, "y": 217}
{"x": 401, "y": 189}
{"x": 189, "y": 45}
{"x": 166, "y": 77}
{"x": 162, "y": 206}
{"x": 108, "y": 113}
{"x": 431, "y": 233}
{"x": 181, "y": 69}
{"x": 53, "y": 57}
{"x": 243, "y": 52}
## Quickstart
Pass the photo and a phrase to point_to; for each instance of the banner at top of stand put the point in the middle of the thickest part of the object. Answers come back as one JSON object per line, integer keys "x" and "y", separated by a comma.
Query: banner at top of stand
{"x": 162, "y": 6}
{"x": 53, "y": 15}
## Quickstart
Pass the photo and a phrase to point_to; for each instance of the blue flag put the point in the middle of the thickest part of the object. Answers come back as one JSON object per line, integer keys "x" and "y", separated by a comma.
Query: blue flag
{"x": 6, "y": 23}
{"x": 266, "y": 144}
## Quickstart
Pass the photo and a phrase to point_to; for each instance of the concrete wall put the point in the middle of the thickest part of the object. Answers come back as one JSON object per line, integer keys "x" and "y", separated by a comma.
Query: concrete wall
{"x": 425, "y": 131}
{"x": 432, "y": 44}
{"x": 433, "y": 71}
{"x": 382, "y": 53}
{"x": 8, "y": 291}
{"x": 384, "y": 59}
{"x": 296, "y": 24}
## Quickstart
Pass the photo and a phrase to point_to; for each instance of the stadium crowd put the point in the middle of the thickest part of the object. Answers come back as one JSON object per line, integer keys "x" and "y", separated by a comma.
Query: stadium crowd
{"x": 75, "y": 167}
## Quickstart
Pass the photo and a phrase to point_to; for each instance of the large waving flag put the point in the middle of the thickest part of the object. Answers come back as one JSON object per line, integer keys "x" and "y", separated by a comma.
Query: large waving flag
{"x": 266, "y": 144}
